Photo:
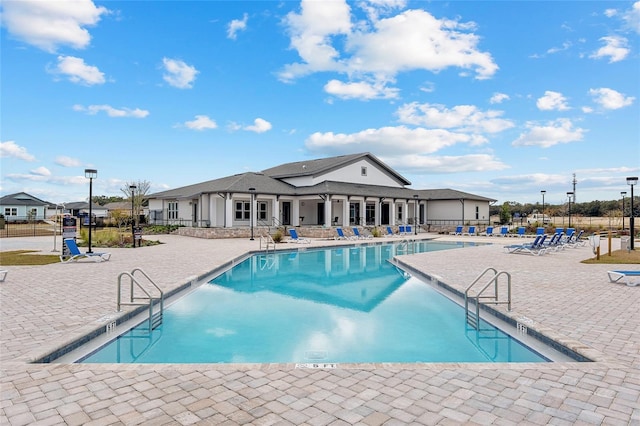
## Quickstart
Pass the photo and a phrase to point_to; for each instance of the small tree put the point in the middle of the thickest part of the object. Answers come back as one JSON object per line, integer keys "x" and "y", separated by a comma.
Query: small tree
{"x": 505, "y": 213}
{"x": 138, "y": 194}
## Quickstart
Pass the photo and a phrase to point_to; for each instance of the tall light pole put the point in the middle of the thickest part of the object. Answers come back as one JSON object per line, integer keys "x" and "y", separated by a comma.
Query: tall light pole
{"x": 415, "y": 214}
{"x": 90, "y": 174}
{"x": 631, "y": 181}
{"x": 132, "y": 188}
{"x": 543, "y": 192}
{"x": 569, "y": 194}
{"x": 623, "y": 193}
{"x": 252, "y": 191}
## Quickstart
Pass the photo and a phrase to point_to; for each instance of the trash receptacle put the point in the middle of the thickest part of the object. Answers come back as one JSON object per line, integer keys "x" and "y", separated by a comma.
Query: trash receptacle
{"x": 625, "y": 242}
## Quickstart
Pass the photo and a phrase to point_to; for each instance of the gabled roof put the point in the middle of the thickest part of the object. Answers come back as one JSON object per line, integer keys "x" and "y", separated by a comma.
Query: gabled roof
{"x": 79, "y": 205}
{"x": 450, "y": 194}
{"x": 21, "y": 199}
{"x": 324, "y": 165}
{"x": 236, "y": 183}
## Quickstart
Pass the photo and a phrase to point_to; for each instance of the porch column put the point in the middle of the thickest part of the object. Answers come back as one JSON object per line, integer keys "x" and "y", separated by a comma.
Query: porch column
{"x": 345, "y": 212}
{"x": 276, "y": 211}
{"x": 363, "y": 213}
{"x": 378, "y": 210}
{"x": 295, "y": 220}
{"x": 392, "y": 212}
{"x": 327, "y": 211}
{"x": 228, "y": 211}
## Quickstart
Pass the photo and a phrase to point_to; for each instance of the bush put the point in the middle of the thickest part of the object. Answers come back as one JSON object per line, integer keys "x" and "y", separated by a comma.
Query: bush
{"x": 277, "y": 237}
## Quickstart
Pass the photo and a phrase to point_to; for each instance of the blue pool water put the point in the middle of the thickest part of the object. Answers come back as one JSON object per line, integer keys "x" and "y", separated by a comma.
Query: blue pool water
{"x": 336, "y": 305}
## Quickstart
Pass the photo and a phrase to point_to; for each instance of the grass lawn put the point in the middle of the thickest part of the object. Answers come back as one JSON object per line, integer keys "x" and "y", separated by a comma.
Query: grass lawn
{"x": 617, "y": 256}
{"x": 26, "y": 257}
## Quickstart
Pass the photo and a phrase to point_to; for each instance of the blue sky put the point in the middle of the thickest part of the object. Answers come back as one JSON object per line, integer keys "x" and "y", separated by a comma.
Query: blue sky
{"x": 497, "y": 98}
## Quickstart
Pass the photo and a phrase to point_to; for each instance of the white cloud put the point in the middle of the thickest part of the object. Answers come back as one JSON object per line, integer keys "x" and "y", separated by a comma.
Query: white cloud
{"x": 389, "y": 141}
{"x": 50, "y": 24}
{"x": 77, "y": 71}
{"x": 555, "y": 132}
{"x": 259, "y": 126}
{"x": 202, "y": 122}
{"x": 235, "y": 26}
{"x": 610, "y": 99}
{"x": 65, "y": 161}
{"x": 552, "y": 101}
{"x": 498, "y": 98}
{"x": 615, "y": 48}
{"x": 111, "y": 111}
{"x": 379, "y": 49}
{"x": 41, "y": 171}
{"x": 178, "y": 73}
{"x": 565, "y": 46}
{"x": 466, "y": 118}
{"x": 632, "y": 17}
{"x": 360, "y": 90}
{"x": 10, "y": 149}
{"x": 428, "y": 164}
{"x": 610, "y": 13}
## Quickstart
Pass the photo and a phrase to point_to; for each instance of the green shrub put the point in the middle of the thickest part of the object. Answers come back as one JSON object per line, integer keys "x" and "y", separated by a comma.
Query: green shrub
{"x": 277, "y": 237}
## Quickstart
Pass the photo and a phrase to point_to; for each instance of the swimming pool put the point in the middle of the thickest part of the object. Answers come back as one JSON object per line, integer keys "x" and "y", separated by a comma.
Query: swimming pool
{"x": 338, "y": 305}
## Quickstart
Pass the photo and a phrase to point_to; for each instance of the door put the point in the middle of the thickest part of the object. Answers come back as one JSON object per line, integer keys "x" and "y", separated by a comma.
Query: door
{"x": 286, "y": 213}
{"x": 384, "y": 214}
{"x": 320, "y": 210}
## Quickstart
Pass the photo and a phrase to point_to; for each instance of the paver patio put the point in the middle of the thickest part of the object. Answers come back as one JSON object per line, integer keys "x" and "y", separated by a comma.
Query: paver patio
{"x": 45, "y": 307}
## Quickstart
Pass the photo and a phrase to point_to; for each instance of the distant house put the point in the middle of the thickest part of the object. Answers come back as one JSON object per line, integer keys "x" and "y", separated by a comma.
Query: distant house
{"x": 22, "y": 206}
{"x": 81, "y": 209}
{"x": 357, "y": 189}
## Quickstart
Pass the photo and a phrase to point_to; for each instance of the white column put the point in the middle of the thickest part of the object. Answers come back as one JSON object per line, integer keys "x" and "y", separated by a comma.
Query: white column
{"x": 345, "y": 212}
{"x": 392, "y": 212}
{"x": 327, "y": 211}
{"x": 228, "y": 213}
{"x": 295, "y": 220}
{"x": 276, "y": 209}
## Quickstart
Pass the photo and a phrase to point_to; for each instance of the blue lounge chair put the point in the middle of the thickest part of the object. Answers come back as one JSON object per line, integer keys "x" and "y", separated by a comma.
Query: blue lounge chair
{"x": 296, "y": 239}
{"x": 458, "y": 231}
{"x": 358, "y": 235}
{"x": 576, "y": 240}
{"x": 401, "y": 230}
{"x": 521, "y": 232}
{"x": 537, "y": 247}
{"x": 75, "y": 254}
{"x": 390, "y": 232}
{"x": 504, "y": 231}
{"x": 540, "y": 230}
{"x": 407, "y": 230}
{"x": 341, "y": 235}
{"x": 555, "y": 243}
{"x": 470, "y": 231}
{"x": 488, "y": 232}
{"x": 625, "y": 276}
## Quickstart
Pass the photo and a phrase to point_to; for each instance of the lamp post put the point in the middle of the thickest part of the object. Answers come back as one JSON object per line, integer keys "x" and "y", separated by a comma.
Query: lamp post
{"x": 569, "y": 194}
{"x": 623, "y": 193}
{"x": 631, "y": 181}
{"x": 543, "y": 192}
{"x": 90, "y": 174}
{"x": 133, "y": 222}
{"x": 252, "y": 191}
{"x": 415, "y": 214}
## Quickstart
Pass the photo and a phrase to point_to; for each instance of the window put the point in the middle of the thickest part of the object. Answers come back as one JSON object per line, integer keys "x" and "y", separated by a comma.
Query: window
{"x": 262, "y": 210}
{"x": 363, "y": 171}
{"x": 477, "y": 212}
{"x": 10, "y": 211}
{"x": 243, "y": 210}
{"x": 172, "y": 211}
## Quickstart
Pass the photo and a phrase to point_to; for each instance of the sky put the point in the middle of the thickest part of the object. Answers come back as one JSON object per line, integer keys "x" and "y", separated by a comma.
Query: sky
{"x": 502, "y": 99}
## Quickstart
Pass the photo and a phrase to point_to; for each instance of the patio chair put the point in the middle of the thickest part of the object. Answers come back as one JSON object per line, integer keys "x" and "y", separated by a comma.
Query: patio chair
{"x": 458, "y": 231}
{"x": 3, "y": 275}
{"x": 521, "y": 232}
{"x": 576, "y": 240}
{"x": 537, "y": 247}
{"x": 504, "y": 231}
{"x": 75, "y": 254}
{"x": 470, "y": 231}
{"x": 625, "y": 276}
{"x": 341, "y": 235}
{"x": 407, "y": 230}
{"x": 358, "y": 235}
{"x": 488, "y": 232}
{"x": 296, "y": 239}
{"x": 540, "y": 230}
{"x": 390, "y": 232}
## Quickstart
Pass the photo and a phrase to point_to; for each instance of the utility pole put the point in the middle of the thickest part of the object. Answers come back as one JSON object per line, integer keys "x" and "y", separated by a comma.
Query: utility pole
{"x": 574, "y": 187}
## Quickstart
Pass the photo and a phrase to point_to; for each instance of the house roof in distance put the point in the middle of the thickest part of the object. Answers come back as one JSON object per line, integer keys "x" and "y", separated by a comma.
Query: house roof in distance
{"x": 22, "y": 199}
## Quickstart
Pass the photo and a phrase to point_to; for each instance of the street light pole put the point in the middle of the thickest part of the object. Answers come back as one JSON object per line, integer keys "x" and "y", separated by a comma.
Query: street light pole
{"x": 623, "y": 193}
{"x": 569, "y": 194}
{"x": 90, "y": 174}
{"x": 631, "y": 181}
{"x": 543, "y": 192}
{"x": 252, "y": 191}
{"x": 133, "y": 222}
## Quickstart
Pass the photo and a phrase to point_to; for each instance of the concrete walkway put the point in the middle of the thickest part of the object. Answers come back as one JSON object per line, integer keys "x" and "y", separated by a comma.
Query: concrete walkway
{"x": 45, "y": 307}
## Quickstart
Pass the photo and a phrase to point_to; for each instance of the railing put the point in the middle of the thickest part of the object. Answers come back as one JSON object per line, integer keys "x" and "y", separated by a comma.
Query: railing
{"x": 266, "y": 243}
{"x": 137, "y": 300}
{"x": 473, "y": 319}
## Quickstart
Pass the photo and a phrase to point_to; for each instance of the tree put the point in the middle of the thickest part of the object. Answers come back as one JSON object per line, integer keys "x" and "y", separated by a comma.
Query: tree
{"x": 505, "y": 213}
{"x": 138, "y": 194}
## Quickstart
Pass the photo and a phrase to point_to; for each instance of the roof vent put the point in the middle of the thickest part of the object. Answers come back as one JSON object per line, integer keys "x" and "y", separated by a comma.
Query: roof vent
{"x": 304, "y": 166}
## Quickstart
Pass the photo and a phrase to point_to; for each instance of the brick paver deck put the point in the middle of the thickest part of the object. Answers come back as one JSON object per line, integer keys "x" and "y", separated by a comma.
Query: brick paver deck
{"x": 45, "y": 307}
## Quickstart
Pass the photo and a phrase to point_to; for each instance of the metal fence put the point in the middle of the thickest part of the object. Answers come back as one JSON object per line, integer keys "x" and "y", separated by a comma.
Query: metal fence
{"x": 28, "y": 228}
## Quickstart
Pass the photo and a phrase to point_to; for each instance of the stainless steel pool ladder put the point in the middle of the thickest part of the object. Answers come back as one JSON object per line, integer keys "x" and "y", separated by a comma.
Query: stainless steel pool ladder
{"x": 406, "y": 247}
{"x": 135, "y": 299}
{"x": 268, "y": 243}
{"x": 473, "y": 318}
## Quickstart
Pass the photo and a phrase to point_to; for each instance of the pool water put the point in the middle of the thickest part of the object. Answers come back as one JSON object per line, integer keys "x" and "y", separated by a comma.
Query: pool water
{"x": 338, "y": 305}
